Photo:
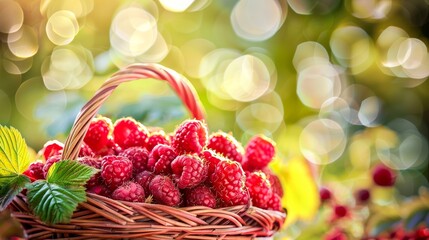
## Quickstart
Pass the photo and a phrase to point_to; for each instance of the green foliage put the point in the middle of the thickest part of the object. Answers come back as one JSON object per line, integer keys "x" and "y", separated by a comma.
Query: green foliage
{"x": 416, "y": 218}
{"x": 70, "y": 172}
{"x": 385, "y": 225}
{"x": 10, "y": 189}
{"x": 14, "y": 158}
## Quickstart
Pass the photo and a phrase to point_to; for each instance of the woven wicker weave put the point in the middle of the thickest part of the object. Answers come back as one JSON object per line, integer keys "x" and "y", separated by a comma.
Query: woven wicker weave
{"x": 105, "y": 218}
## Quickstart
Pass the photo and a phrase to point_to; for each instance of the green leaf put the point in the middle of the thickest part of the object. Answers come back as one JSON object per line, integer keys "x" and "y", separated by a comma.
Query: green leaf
{"x": 53, "y": 203}
{"x": 416, "y": 218}
{"x": 69, "y": 172}
{"x": 14, "y": 158}
{"x": 9, "y": 190}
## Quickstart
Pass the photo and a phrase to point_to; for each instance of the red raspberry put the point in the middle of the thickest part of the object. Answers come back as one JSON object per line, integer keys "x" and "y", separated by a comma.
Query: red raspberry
{"x": 274, "y": 202}
{"x": 129, "y": 191}
{"x": 362, "y": 196}
{"x": 100, "y": 189}
{"x": 340, "y": 211}
{"x": 111, "y": 148}
{"x": 138, "y": 156}
{"x": 51, "y": 148}
{"x": 228, "y": 181}
{"x": 383, "y": 176}
{"x": 115, "y": 170}
{"x": 188, "y": 170}
{"x": 51, "y": 160}
{"x": 325, "y": 194}
{"x": 144, "y": 178}
{"x": 226, "y": 145}
{"x": 164, "y": 191}
{"x": 98, "y": 133}
{"x": 335, "y": 234}
{"x": 259, "y": 189}
{"x": 156, "y": 138}
{"x": 212, "y": 159}
{"x": 276, "y": 185}
{"x": 35, "y": 171}
{"x": 85, "y": 150}
{"x": 95, "y": 163}
{"x": 127, "y": 132}
{"x": 260, "y": 151}
{"x": 160, "y": 159}
{"x": 201, "y": 195}
{"x": 190, "y": 137}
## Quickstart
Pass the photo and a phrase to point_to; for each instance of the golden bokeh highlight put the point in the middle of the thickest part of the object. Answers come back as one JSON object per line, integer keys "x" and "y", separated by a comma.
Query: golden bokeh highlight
{"x": 11, "y": 16}
{"x": 62, "y": 27}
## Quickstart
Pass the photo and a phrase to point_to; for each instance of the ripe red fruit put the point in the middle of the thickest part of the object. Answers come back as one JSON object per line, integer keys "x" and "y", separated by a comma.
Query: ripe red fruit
{"x": 188, "y": 170}
{"x": 383, "y": 176}
{"x": 85, "y": 150}
{"x": 228, "y": 181}
{"x": 336, "y": 234}
{"x": 259, "y": 189}
{"x": 276, "y": 185}
{"x": 111, "y": 148}
{"x": 212, "y": 159}
{"x": 98, "y": 133}
{"x": 144, "y": 178}
{"x": 100, "y": 189}
{"x": 129, "y": 191}
{"x": 51, "y": 160}
{"x": 95, "y": 163}
{"x": 190, "y": 137}
{"x": 226, "y": 145}
{"x": 164, "y": 191}
{"x": 115, "y": 170}
{"x": 127, "y": 132}
{"x": 260, "y": 151}
{"x": 35, "y": 171}
{"x": 325, "y": 194}
{"x": 156, "y": 138}
{"x": 138, "y": 156}
{"x": 340, "y": 211}
{"x": 201, "y": 195}
{"x": 51, "y": 148}
{"x": 362, "y": 196}
{"x": 274, "y": 202}
{"x": 160, "y": 159}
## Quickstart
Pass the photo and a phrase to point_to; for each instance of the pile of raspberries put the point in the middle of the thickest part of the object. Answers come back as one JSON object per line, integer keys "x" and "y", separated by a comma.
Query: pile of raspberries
{"x": 186, "y": 168}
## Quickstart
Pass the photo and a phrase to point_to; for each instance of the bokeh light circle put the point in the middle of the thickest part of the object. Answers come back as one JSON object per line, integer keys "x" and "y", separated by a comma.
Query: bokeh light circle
{"x": 24, "y": 42}
{"x": 11, "y": 16}
{"x": 62, "y": 27}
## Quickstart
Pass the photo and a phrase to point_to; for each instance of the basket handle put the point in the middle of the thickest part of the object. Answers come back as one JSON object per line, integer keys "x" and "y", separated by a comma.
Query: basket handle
{"x": 180, "y": 85}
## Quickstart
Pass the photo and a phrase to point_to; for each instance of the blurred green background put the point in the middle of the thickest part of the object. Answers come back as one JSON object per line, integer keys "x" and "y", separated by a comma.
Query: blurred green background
{"x": 339, "y": 83}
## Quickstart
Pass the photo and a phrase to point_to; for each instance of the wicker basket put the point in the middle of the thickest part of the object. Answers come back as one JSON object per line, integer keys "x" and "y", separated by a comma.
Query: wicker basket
{"x": 104, "y": 218}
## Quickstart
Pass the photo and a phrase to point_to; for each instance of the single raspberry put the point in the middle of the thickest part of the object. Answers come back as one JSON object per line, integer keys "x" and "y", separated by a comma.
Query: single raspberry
{"x": 362, "y": 196}
{"x": 98, "y": 133}
{"x": 95, "y": 163}
{"x": 115, "y": 170}
{"x": 201, "y": 195}
{"x": 111, "y": 148}
{"x": 138, "y": 156}
{"x": 276, "y": 185}
{"x": 259, "y": 189}
{"x": 383, "y": 176}
{"x": 51, "y": 160}
{"x": 35, "y": 171}
{"x": 226, "y": 145}
{"x": 127, "y": 132}
{"x": 190, "y": 137}
{"x": 156, "y": 138}
{"x": 260, "y": 151}
{"x": 340, "y": 211}
{"x": 164, "y": 191}
{"x": 129, "y": 191}
{"x": 212, "y": 159}
{"x": 274, "y": 202}
{"x": 51, "y": 148}
{"x": 100, "y": 189}
{"x": 85, "y": 150}
{"x": 228, "y": 181}
{"x": 325, "y": 194}
{"x": 160, "y": 159}
{"x": 144, "y": 178}
{"x": 188, "y": 170}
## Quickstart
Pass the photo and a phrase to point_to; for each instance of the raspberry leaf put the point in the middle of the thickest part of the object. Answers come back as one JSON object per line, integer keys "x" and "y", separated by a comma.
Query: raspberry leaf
{"x": 14, "y": 160}
{"x": 54, "y": 203}
{"x": 69, "y": 172}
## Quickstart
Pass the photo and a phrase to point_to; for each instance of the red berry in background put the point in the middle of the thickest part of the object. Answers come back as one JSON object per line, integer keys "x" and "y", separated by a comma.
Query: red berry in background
{"x": 51, "y": 148}
{"x": 164, "y": 191}
{"x": 155, "y": 138}
{"x": 115, "y": 170}
{"x": 259, "y": 189}
{"x": 95, "y": 163}
{"x": 229, "y": 183}
{"x": 212, "y": 159}
{"x": 260, "y": 151}
{"x": 362, "y": 196}
{"x": 190, "y": 137}
{"x": 129, "y": 191}
{"x": 201, "y": 195}
{"x": 226, "y": 145}
{"x": 188, "y": 170}
{"x": 98, "y": 133}
{"x": 274, "y": 181}
{"x": 51, "y": 160}
{"x": 139, "y": 157}
{"x": 335, "y": 234}
{"x": 383, "y": 176}
{"x": 144, "y": 178}
{"x": 340, "y": 211}
{"x": 325, "y": 194}
{"x": 160, "y": 159}
{"x": 127, "y": 132}
{"x": 35, "y": 171}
